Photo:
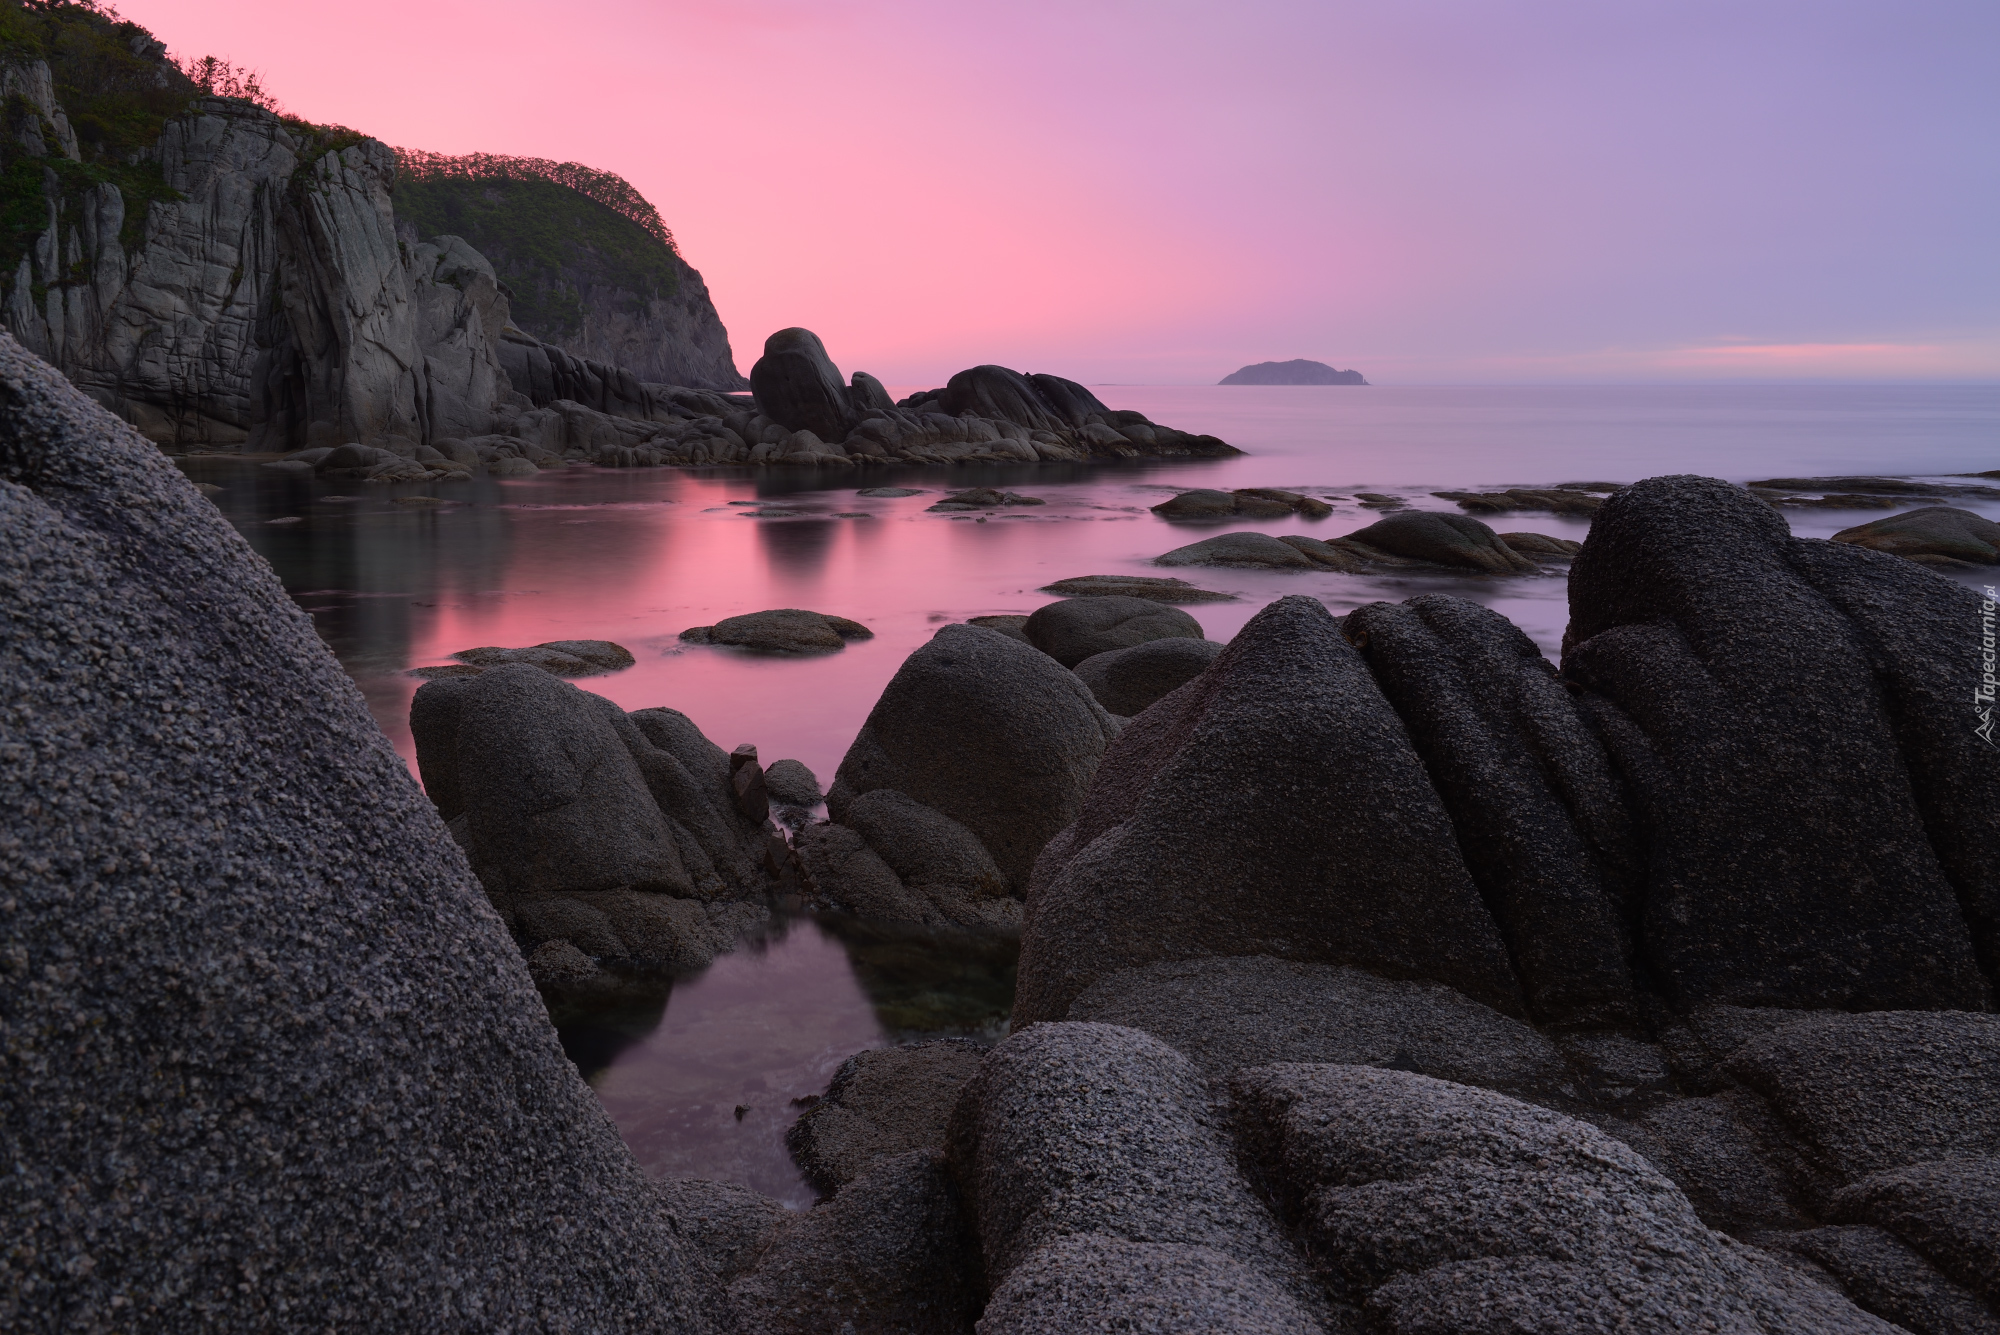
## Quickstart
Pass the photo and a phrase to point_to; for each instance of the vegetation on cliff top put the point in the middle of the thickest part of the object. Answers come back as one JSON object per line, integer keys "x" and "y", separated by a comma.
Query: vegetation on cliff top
{"x": 550, "y": 230}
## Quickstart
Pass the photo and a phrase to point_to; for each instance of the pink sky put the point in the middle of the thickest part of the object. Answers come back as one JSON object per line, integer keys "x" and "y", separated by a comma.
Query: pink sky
{"x": 1158, "y": 191}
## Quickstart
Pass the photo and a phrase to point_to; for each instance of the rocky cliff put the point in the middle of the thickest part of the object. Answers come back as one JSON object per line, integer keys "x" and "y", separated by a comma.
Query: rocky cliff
{"x": 582, "y": 276}
{"x": 223, "y": 276}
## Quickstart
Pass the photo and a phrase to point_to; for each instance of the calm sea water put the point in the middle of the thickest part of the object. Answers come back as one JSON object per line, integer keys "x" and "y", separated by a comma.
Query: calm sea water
{"x": 637, "y": 556}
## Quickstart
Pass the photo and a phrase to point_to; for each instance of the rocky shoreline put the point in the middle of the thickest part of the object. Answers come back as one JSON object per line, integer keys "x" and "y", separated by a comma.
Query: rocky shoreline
{"x": 1377, "y": 974}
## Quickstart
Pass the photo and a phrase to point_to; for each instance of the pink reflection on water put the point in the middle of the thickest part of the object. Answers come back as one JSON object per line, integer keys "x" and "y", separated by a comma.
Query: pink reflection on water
{"x": 759, "y": 1029}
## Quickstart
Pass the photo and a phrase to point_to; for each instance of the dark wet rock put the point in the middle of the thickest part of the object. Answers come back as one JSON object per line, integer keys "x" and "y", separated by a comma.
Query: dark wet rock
{"x": 444, "y": 670}
{"x": 791, "y": 784}
{"x": 1298, "y": 371}
{"x": 1832, "y": 501}
{"x": 747, "y": 784}
{"x": 978, "y": 498}
{"x": 1329, "y": 555}
{"x": 1272, "y": 806}
{"x": 1723, "y": 1155}
{"x": 1439, "y": 1208}
{"x": 1238, "y": 549}
{"x": 890, "y": 491}
{"x": 1875, "y": 486}
{"x": 1126, "y": 681}
{"x": 725, "y": 1225}
{"x": 843, "y": 872}
{"x": 557, "y": 966}
{"x": 1014, "y": 627}
{"x": 556, "y": 802}
{"x": 1093, "y": 1282}
{"x": 259, "y": 1018}
{"x": 1749, "y": 685}
{"x": 1078, "y": 628}
{"x": 988, "y": 731}
{"x": 798, "y": 386}
{"x": 1159, "y": 589}
{"x": 644, "y": 933}
{"x": 1069, "y": 401}
{"x": 1088, "y": 1129}
{"x": 1553, "y": 499}
{"x": 881, "y": 1103}
{"x": 1949, "y": 1211}
{"x": 1539, "y": 811}
{"x": 1243, "y": 503}
{"x": 1540, "y": 546}
{"x": 1884, "y": 1276}
{"x": 891, "y": 1252}
{"x": 564, "y": 658}
{"x": 788, "y": 630}
{"x": 1445, "y": 539}
{"x": 998, "y": 393}
{"x": 865, "y": 393}
{"x": 1226, "y": 1014}
{"x": 1935, "y": 534}
{"x": 931, "y": 854}
{"x": 1861, "y": 1094}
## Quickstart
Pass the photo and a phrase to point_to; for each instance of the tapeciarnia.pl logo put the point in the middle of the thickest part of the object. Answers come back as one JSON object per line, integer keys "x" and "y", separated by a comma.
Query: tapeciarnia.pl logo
{"x": 1982, "y": 693}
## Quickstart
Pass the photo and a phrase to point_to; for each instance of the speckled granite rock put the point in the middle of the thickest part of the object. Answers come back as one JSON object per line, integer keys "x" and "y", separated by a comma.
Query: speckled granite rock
{"x": 258, "y": 1021}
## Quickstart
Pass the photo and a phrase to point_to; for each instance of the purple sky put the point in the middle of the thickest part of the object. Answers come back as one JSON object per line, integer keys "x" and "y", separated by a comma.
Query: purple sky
{"x": 1162, "y": 191}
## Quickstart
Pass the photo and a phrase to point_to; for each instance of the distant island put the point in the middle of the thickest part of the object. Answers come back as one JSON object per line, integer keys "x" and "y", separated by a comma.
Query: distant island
{"x": 1296, "y": 372}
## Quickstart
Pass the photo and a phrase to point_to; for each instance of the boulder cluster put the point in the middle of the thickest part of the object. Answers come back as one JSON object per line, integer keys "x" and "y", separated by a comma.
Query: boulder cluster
{"x": 1390, "y": 978}
{"x": 1405, "y": 540}
{"x": 1379, "y": 976}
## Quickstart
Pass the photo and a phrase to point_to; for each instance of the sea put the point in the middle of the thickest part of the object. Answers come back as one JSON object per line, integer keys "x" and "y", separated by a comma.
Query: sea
{"x": 704, "y": 1083}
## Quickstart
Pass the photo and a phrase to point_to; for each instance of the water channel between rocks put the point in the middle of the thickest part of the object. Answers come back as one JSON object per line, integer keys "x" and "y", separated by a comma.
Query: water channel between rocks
{"x": 636, "y": 556}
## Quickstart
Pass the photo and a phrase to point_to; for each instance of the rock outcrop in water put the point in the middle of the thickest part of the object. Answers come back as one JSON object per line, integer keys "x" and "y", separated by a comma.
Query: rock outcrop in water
{"x": 1298, "y": 371}
{"x": 270, "y": 1059}
{"x": 807, "y": 414}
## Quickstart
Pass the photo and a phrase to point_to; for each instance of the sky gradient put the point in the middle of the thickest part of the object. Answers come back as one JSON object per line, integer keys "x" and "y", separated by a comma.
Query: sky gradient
{"x": 1152, "y": 191}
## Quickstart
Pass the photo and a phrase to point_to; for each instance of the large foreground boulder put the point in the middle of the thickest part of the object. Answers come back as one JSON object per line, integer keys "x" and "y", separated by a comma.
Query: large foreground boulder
{"x": 1798, "y": 720}
{"x": 1274, "y": 806}
{"x": 988, "y": 731}
{"x": 270, "y": 1060}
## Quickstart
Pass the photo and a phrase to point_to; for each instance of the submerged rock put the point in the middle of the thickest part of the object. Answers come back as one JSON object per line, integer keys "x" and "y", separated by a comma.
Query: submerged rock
{"x": 1238, "y": 549}
{"x": 789, "y": 630}
{"x": 1243, "y": 503}
{"x": 562, "y": 658}
{"x": 1160, "y": 590}
{"x": 1078, "y": 628}
{"x": 1935, "y": 535}
{"x": 1445, "y": 539}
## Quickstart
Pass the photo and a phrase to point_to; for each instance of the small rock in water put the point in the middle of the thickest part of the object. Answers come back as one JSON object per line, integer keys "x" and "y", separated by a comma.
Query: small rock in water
{"x": 287, "y": 519}
{"x": 561, "y": 658}
{"x": 1936, "y": 535}
{"x": 1541, "y": 544}
{"x": 852, "y": 514}
{"x": 791, "y": 784}
{"x": 417, "y": 500}
{"x": 788, "y": 630}
{"x": 207, "y": 488}
{"x": 1160, "y": 589}
{"x": 888, "y": 492}
{"x": 1010, "y": 626}
{"x": 1244, "y": 503}
{"x": 1452, "y": 540}
{"x": 1238, "y": 549}
{"x": 1078, "y": 628}
{"x": 985, "y": 497}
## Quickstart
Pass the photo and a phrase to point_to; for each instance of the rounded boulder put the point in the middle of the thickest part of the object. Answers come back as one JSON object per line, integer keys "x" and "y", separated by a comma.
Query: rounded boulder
{"x": 1126, "y": 681}
{"x": 1079, "y": 628}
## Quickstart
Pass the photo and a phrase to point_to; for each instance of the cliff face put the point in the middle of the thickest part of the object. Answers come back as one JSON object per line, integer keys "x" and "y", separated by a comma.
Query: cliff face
{"x": 267, "y": 303}
{"x": 222, "y": 276}
{"x": 581, "y": 276}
